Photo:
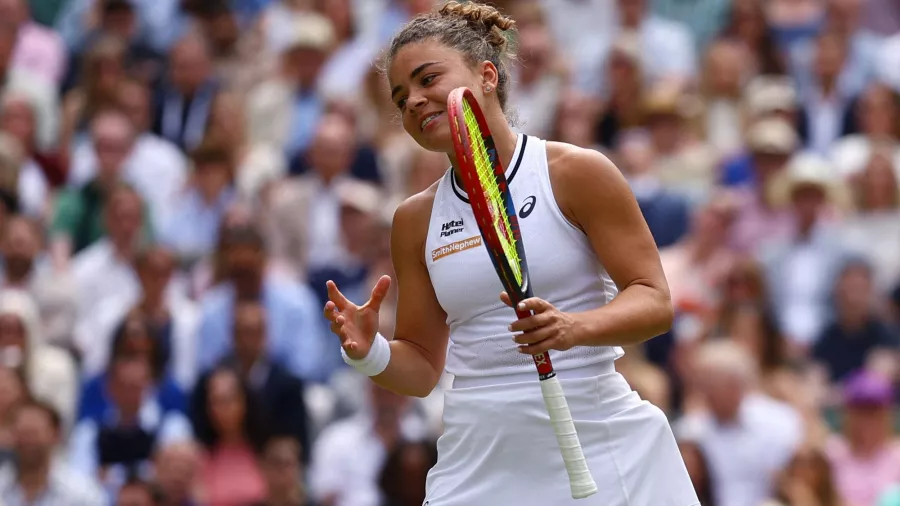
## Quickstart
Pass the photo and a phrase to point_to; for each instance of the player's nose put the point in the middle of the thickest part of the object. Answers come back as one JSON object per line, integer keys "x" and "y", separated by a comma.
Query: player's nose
{"x": 416, "y": 102}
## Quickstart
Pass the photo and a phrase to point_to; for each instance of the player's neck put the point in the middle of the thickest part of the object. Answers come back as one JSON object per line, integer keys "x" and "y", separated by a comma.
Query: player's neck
{"x": 505, "y": 140}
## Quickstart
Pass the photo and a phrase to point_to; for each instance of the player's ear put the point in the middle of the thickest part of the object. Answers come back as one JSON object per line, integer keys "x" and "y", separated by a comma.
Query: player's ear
{"x": 489, "y": 77}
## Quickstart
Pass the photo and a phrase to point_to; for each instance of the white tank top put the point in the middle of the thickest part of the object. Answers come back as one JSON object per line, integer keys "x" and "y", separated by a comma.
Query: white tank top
{"x": 563, "y": 270}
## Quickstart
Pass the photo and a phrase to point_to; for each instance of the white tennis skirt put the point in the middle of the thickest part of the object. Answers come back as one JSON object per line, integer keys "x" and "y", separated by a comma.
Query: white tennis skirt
{"x": 498, "y": 447}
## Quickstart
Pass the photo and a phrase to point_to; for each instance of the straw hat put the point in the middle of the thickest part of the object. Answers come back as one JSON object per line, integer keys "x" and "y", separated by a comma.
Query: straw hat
{"x": 362, "y": 196}
{"x": 806, "y": 170}
{"x": 772, "y": 136}
{"x": 768, "y": 94}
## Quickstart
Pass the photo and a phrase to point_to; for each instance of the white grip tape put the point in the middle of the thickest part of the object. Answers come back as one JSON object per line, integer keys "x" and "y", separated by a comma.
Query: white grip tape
{"x": 580, "y": 479}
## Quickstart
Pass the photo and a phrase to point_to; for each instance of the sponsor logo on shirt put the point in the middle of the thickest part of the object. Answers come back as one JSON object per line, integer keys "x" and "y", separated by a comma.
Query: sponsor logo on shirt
{"x": 455, "y": 247}
{"x": 451, "y": 227}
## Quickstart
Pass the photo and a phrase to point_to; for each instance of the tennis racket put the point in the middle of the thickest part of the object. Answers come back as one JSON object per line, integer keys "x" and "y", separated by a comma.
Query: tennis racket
{"x": 485, "y": 182}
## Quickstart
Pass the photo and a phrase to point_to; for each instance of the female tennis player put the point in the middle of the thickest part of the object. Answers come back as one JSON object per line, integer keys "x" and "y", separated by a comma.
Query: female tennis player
{"x": 591, "y": 259}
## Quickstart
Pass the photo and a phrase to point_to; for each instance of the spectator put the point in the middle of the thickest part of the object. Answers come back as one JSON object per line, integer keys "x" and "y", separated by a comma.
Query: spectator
{"x": 163, "y": 312}
{"x": 623, "y": 108}
{"x": 666, "y": 212}
{"x": 684, "y": 164}
{"x": 280, "y": 393}
{"x": 305, "y": 215}
{"x": 283, "y": 470}
{"x": 154, "y": 166}
{"x": 49, "y": 372}
{"x": 748, "y": 25}
{"x": 103, "y": 272}
{"x": 176, "y": 474}
{"x": 39, "y": 50}
{"x": 184, "y": 100}
{"x": 17, "y": 118}
{"x": 40, "y": 92}
{"x": 360, "y": 204}
{"x": 738, "y": 421}
{"x": 697, "y": 265}
{"x": 228, "y": 422}
{"x": 340, "y": 476}
{"x": 871, "y": 231}
{"x": 352, "y": 55}
{"x": 37, "y": 472}
{"x": 159, "y": 22}
{"x": 801, "y": 296}
{"x": 119, "y": 19}
{"x": 285, "y": 110}
{"x": 667, "y": 47}
{"x": 122, "y": 441}
{"x": 292, "y": 311}
{"x": 857, "y": 332}
{"x": 194, "y": 224}
{"x": 538, "y": 79}
{"x": 102, "y": 69}
{"x": 239, "y": 55}
{"x": 402, "y": 478}
{"x": 878, "y": 115}
{"x": 722, "y": 84}
{"x": 758, "y": 219}
{"x": 827, "y": 101}
{"x": 133, "y": 338}
{"x": 80, "y": 213}
{"x": 172, "y": 317}
{"x": 866, "y": 458}
{"x": 842, "y": 18}
{"x": 26, "y": 267}
{"x": 808, "y": 479}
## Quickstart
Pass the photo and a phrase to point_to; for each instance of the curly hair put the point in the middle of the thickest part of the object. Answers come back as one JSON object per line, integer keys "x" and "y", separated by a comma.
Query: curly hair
{"x": 480, "y": 32}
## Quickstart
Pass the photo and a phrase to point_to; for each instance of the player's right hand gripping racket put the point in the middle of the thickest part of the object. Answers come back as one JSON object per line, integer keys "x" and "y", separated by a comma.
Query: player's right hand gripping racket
{"x": 485, "y": 182}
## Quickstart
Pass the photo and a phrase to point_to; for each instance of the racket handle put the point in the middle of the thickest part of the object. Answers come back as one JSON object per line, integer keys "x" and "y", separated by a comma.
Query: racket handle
{"x": 580, "y": 480}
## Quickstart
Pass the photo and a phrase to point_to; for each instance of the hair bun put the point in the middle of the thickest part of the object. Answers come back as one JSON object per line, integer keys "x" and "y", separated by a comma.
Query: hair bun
{"x": 483, "y": 18}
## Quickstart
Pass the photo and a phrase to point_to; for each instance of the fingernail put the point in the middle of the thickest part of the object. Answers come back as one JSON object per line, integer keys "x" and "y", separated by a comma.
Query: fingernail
{"x": 521, "y": 305}
{"x": 509, "y": 327}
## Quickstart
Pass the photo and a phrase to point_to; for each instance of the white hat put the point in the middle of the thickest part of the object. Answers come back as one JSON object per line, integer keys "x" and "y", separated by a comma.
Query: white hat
{"x": 360, "y": 195}
{"x": 772, "y": 136}
{"x": 312, "y": 31}
{"x": 808, "y": 170}
{"x": 767, "y": 94}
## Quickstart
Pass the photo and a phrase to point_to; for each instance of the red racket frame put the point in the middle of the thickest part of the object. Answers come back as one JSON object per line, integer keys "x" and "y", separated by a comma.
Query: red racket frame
{"x": 462, "y": 145}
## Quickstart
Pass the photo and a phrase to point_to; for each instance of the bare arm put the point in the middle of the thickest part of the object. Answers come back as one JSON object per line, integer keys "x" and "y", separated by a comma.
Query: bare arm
{"x": 595, "y": 197}
{"x": 419, "y": 347}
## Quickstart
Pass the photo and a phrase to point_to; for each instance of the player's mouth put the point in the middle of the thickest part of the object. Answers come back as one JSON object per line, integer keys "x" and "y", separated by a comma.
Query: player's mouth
{"x": 429, "y": 119}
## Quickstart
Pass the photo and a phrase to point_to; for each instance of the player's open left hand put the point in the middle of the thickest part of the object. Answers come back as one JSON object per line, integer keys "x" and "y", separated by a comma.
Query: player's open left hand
{"x": 355, "y": 325}
{"x": 547, "y": 329}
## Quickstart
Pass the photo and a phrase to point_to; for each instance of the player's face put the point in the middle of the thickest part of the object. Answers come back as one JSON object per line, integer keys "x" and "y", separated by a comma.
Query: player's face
{"x": 421, "y": 76}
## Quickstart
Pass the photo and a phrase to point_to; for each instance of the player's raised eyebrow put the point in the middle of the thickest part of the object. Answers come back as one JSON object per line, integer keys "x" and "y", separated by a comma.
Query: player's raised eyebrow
{"x": 412, "y": 75}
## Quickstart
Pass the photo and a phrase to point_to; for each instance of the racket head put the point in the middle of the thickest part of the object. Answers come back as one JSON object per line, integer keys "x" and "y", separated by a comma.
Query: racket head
{"x": 485, "y": 182}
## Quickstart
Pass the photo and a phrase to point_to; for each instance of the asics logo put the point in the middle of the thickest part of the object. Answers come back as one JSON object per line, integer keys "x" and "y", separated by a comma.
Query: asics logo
{"x": 528, "y": 207}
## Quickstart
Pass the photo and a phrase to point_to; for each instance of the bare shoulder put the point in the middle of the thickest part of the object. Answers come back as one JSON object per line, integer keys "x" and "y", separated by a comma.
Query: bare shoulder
{"x": 583, "y": 180}
{"x": 411, "y": 219}
{"x": 572, "y": 164}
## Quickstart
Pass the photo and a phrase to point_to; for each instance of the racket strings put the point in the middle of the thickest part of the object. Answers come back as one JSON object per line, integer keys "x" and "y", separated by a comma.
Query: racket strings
{"x": 484, "y": 169}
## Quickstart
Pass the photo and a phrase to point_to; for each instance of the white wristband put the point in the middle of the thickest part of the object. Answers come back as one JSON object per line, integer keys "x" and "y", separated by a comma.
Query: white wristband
{"x": 376, "y": 360}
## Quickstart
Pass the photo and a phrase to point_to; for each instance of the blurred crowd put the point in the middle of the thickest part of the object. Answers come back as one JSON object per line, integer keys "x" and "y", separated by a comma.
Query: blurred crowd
{"x": 179, "y": 178}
